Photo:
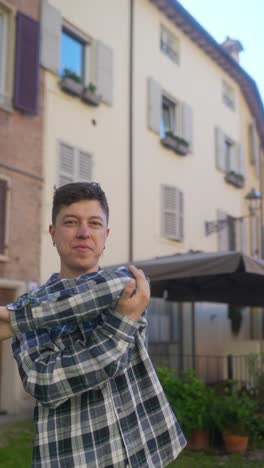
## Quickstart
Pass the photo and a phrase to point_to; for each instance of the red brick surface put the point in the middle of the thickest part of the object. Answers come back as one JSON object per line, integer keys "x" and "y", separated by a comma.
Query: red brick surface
{"x": 21, "y": 148}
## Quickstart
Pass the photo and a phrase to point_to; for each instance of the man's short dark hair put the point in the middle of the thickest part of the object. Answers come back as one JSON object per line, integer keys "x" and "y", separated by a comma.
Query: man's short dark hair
{"x": 77, "y": 191}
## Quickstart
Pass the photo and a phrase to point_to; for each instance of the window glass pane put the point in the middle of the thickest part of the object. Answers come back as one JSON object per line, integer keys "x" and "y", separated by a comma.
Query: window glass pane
{"x": 228, "y": 155}
{"x": 71, "y": 55}
{"x": 167, "y": 119}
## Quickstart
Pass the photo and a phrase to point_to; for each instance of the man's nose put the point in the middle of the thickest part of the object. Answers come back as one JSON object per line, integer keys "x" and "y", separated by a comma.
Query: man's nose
{"x": 84, "y": 231}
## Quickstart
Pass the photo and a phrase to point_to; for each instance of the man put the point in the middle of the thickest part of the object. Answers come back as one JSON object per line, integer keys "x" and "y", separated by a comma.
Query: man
{"x": 80, "y": 351}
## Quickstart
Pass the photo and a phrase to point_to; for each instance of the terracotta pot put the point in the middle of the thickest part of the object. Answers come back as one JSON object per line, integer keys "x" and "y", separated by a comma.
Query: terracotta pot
{"x": 235, "y": 443}
{"x": 198, "y": 440}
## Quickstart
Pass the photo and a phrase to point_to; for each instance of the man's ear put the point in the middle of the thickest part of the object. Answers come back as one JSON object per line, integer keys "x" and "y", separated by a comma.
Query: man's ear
{"x": 52, "y": 231}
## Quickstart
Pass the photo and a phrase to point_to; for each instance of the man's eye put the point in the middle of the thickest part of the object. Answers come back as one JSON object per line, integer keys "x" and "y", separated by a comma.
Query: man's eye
{"x": 69, "y": 222}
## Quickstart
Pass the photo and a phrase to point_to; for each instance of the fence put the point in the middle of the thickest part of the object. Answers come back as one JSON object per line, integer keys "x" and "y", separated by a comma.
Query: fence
{"x": 210, "y": 368}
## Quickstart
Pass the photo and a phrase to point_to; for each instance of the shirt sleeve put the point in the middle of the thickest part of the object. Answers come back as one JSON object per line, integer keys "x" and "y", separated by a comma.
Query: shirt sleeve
{"x": 98, "y": 295}
{"x": 53, "y": 375}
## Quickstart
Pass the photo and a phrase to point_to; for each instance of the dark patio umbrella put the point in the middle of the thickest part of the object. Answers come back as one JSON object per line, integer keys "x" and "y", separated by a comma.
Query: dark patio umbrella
{"x": 227, "y": 277}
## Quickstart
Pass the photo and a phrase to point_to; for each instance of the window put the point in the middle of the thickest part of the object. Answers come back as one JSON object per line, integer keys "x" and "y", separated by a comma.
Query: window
{"x": 4, "y": 199}
{"x": 7, "y": 44}
{"x": 228, "y": 95}
{"x": 233, "y": 234}
{"x": 72, "y": 56}
{"x": 169, "y": 44}
{"x": 168, "y": 117}
{"x": 230, "y": 158}
{"x": 74, "y": 165}
{"x": 172, "y": 216}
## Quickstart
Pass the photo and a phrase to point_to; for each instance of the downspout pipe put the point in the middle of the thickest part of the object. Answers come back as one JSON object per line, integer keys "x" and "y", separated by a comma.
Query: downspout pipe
{"x": 130, "y": 133}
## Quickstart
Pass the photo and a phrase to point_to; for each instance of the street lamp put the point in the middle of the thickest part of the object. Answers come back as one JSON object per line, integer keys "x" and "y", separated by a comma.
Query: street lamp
{"x": 254, "y": 199}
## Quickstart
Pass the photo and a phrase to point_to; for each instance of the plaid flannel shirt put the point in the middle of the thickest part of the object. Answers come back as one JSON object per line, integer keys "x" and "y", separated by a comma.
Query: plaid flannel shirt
{"x": 98, "y": 400}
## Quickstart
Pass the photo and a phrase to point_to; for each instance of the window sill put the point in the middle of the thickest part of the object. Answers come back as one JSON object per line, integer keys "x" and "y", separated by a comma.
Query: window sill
{"x": 178, "y": 146}
{"x": 6, "y": 107}
{"x": 91, "y": 98}
{"x": 234, "y": 179}
{"x": 72, "y": 87}
{"x": 4, "y": 258}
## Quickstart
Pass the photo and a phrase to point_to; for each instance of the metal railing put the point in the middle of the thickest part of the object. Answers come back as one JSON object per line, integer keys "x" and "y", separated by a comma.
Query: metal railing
{"x": 210, "y": 368}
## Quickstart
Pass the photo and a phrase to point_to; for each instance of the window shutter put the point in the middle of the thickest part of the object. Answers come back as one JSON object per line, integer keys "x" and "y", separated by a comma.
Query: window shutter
{"x": 243, "y": 235}
{"x": 253, "y": 143}
{"x": 172, "y": 213}
{"x": 104, "y": 72}
{"x": 223, "y": 234}
{"x": 220, "y": 149}
{"x": 51, "y": 28}
{"x": 154, "y": 105}
{"x": 85, "y": 167}
{"x": 187, "y": 125}
{"x": 241, "y": 160}
{"x": 2, "y": 51}
{"x": 27, "y": 64}
{"x": 3, "y": 200}
{"x": 66, "y": 169}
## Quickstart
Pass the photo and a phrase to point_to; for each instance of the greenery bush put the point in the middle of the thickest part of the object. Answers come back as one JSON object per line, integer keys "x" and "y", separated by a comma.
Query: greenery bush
{"x": 189, "y": 397}
{"x": 233, "y": 411}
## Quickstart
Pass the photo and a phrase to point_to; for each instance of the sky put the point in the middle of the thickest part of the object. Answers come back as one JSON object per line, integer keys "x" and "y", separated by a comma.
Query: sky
{"x": 238, "y": 19}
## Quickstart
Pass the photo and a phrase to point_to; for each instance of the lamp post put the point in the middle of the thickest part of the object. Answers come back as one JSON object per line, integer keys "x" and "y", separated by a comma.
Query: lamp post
{"x": 254, "y": 199}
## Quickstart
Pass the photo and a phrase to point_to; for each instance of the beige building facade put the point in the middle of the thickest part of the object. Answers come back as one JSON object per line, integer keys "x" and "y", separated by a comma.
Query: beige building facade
{"x": 140, "y": 98}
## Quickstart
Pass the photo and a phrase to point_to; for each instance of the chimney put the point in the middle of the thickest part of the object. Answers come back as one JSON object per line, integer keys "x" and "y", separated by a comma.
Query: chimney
{"x": 232, "y": 47}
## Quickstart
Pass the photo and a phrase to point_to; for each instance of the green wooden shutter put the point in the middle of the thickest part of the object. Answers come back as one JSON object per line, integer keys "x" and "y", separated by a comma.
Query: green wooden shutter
{"x": 51, "y": 29}
{"x": 154, "y": 105}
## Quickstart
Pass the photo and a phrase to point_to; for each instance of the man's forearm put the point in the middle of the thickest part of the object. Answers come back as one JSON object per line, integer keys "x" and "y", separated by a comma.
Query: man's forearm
{"x": 5, "y": 327}
{"x": 78, "y": 307}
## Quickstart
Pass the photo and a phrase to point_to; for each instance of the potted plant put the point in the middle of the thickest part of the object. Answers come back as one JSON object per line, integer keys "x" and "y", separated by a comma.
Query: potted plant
{"x": 190, "y": 399}
{"x": 232, "y": 415}
{"x": 71, "y": 82}
{"x": 89, "y": 95}
{"x": 175, "y": 142}
{"x": 235, "y": 179}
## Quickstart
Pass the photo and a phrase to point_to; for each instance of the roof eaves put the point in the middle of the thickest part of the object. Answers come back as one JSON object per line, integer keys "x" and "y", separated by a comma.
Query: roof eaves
{"x": 190, "y": 26}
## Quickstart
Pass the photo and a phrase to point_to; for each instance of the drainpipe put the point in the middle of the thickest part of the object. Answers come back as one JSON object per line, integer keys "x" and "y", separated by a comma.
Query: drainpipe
{"x": 130, "y": 132}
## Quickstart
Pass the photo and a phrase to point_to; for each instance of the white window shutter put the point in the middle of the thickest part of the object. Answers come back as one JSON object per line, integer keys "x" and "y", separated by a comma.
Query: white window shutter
{"x": 180, "y": 216}
{"x": 223, "y": 234}
{"x": 51, "y": 28}
{"x": 104, "y": 72}
{"x": 220, "y": 149}
{"x": 154, "y": 105}
{"x": 254, "y": 143}
{"x": 66, "y": 165}
{"x": 241, "y": 160}
{"x": 187, "y": 124}
{"x": 243, "y": 236}
{"x": 172, "y": 213}
{"x": 84, "y": 167}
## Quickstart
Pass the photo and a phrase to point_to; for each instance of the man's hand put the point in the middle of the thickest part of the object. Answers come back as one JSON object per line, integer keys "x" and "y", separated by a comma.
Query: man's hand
{"x": 5, "y": 328}
{"x": 135, "y": 296}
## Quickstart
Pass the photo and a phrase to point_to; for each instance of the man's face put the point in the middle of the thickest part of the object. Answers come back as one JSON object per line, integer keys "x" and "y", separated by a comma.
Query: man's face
{"x": 80, "y": 232}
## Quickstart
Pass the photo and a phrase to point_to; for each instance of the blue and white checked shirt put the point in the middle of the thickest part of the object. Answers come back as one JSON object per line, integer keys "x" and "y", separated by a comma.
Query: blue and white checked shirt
{"x": 99, "y": 403}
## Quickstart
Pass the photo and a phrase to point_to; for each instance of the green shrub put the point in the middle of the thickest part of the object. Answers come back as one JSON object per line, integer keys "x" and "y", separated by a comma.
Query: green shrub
{"x": 189, "y": 397}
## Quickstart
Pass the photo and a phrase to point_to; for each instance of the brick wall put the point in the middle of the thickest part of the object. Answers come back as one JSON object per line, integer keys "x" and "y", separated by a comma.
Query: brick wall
{"x": 21, "y": 150}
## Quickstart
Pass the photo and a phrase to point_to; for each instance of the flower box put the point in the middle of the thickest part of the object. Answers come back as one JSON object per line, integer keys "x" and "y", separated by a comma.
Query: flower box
{"x": 71, "y": 86}
{"x": 237, "y": 180}
{"x": 177, "y": 144}
{"x": 91, "y": 97}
